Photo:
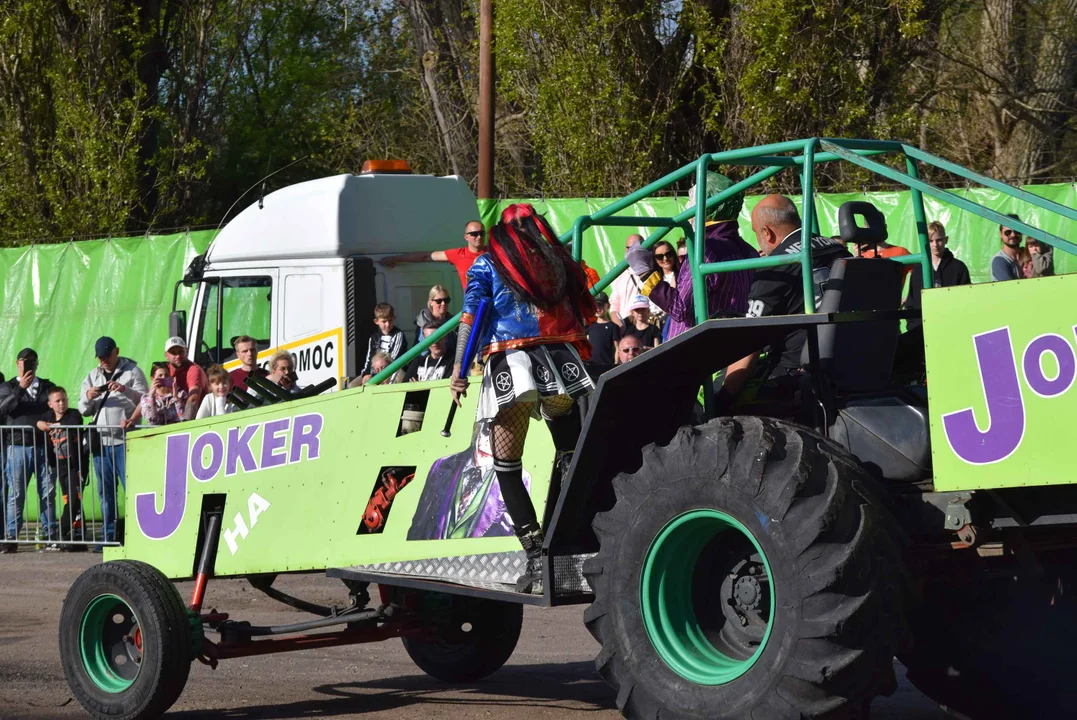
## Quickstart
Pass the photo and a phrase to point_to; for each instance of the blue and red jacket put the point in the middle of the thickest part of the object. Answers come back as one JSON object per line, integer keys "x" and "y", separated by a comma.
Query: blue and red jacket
{"x": 512, "y": 324}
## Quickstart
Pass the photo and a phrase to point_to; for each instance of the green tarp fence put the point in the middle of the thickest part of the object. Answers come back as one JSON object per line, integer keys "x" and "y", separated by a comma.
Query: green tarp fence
{"x": 59, "y": 299}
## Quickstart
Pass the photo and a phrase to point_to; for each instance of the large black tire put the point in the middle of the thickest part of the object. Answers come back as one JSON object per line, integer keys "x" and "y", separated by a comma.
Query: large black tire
{"x": 835, "y": 565}
{"x": 470, "y": 638}
{"x": 997, "y": 648}
{"x": 125, "y": 641}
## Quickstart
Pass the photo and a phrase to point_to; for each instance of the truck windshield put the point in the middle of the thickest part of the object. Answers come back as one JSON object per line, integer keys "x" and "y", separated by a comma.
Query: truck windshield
{"x": 231, "y": 307}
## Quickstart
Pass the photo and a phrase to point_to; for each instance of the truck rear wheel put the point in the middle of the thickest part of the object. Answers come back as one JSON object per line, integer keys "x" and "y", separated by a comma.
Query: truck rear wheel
{"x": 747, "y": 570}
{"x": 469, "y": 638}
{"x": 125, "y": 641}
{"x": 997, "y": 648}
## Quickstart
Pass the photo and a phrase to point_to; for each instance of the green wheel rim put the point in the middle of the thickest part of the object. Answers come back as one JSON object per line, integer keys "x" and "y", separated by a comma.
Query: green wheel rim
{"x": 110, "y": 642}
{"x": 670, "y": 610}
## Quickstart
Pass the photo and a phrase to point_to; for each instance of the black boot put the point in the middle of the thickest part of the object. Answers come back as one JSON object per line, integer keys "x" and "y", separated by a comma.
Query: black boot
{"x": 531, "y": 539}
{"x": 525, "y": 524}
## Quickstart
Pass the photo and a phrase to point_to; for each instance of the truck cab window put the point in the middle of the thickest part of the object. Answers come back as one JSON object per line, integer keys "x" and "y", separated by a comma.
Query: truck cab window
{"x": 234, "y": 306}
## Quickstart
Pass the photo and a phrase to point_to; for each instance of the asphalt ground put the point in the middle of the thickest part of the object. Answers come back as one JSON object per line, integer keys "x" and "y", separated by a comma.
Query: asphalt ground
{"x": 551, "y": 674}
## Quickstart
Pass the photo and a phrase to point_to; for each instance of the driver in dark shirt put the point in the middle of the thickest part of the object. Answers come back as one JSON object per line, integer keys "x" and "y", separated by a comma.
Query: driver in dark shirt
{"x": 779, "y": 291}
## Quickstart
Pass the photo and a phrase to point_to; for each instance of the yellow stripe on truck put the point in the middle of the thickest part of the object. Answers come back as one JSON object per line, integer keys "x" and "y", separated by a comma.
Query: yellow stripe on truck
{"x": 315, "y": 340}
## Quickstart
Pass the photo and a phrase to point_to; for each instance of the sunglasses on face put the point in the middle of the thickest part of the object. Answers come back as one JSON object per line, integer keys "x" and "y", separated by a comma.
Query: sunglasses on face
{"x": 474, "y": 233}
{"x": 1011, "y": 232}
{"x": 632, "y": 351}
{"x": 441, "y": 301}
{"x": 664, "y": 256}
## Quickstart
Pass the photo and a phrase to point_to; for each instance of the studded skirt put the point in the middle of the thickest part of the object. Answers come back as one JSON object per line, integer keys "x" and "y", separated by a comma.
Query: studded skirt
{"x": 525, "y": 375}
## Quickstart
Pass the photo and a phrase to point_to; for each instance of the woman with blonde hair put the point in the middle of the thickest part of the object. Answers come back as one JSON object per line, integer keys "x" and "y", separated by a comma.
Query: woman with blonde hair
{"x": 434, "y": 314}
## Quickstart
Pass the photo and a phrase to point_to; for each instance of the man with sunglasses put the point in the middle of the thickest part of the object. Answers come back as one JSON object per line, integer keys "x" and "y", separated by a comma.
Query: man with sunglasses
{"x": 461, "y": 258}
{"x": 1004, "y": 265}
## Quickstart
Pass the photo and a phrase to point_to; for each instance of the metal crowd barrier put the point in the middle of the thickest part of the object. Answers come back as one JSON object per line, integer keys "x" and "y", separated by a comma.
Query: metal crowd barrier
{"x": 63, "y": 489}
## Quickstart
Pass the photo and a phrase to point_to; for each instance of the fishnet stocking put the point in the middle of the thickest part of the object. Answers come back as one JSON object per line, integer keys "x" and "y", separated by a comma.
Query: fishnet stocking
{"x": 510, "y": 431}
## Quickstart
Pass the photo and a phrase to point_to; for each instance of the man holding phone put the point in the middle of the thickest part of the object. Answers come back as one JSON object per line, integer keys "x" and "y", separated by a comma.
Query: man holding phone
{"x": 190, "y": 381}
{"x": 26, "y": 448}
{"x": 110, "y": 394}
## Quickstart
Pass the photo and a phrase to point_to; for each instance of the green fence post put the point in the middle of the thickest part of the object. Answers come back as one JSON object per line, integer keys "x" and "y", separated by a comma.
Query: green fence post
{"x": 918, "y": 213}
{"x": 699, "y": 288}
{"x": 578, "y": 229}
{"x": 808, "y": 222}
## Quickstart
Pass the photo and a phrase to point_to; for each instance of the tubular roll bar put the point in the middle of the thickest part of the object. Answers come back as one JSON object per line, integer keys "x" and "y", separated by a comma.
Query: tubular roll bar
{"x": 775, "y": 158}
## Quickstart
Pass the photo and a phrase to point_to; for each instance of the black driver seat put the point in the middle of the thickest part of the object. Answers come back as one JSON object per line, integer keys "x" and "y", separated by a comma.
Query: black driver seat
{"x": 859, "y": 356}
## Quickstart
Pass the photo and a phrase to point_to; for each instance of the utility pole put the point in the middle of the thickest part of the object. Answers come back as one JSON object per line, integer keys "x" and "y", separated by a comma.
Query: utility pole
{"x": 486, "y": 99}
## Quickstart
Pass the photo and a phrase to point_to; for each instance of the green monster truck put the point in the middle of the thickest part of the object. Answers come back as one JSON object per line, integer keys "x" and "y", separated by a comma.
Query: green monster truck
{"x": 913, "y": 501}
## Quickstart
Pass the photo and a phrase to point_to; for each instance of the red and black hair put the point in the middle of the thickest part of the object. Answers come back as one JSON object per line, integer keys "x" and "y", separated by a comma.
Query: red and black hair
{"x": 534, "y": 265}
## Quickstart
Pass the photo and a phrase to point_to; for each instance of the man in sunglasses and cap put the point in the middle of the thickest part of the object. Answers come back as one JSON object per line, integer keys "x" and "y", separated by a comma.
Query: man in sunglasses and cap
{"x": 1004, "y": 265}
{"x": 110, "y": 393}
{"x": 461, "y": 258}
{"x": 26, "y": 452}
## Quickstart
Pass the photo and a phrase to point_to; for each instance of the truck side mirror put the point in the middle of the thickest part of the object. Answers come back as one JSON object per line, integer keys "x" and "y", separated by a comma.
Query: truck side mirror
{"x": 177, "y": 323}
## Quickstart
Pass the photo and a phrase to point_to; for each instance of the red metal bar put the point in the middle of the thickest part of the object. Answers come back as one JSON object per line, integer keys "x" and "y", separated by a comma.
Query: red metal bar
{"x": 226, "y": 650}
{"x": 199, "y": 592}
{"x": 205, "y": 561}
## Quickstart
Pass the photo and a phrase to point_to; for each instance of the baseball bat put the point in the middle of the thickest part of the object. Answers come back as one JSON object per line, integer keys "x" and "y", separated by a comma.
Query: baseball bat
{"x": 473, "y": 342}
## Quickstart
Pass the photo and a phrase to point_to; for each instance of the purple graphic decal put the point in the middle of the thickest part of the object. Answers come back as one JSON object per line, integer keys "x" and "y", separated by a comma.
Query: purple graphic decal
{"x": 159, "y": 525}
{"x": 305, "y": 431}
{"x": 203, "y": 472}
{"x": 1067, "y": 365}
{"x": 1005, "y": 409}
{"x": 239, "y": 450}
{"x": 461, "y": 497}
{"x": 274, "y": 438}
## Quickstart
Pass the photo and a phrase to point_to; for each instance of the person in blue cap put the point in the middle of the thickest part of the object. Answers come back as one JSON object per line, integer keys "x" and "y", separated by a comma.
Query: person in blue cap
{"x": 110, "y": 394}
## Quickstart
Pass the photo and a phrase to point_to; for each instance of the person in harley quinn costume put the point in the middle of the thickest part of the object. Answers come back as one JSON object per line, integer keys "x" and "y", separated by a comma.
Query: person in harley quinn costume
{"x": 535, "y": 345}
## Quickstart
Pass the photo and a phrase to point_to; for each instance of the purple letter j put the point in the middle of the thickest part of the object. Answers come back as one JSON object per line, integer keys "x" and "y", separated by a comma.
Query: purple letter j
{"x": 1005, "y": 408}
{"x": 159, "y": 525}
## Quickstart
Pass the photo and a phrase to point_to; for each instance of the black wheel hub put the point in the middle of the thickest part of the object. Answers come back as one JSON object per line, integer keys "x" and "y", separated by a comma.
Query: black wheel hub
{"x": 731, "y": 595}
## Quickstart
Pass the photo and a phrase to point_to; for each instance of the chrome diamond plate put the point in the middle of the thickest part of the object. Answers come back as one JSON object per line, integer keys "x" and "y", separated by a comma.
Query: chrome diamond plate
{"x": 492, "y": 571}
{"x": 500, "y": 568}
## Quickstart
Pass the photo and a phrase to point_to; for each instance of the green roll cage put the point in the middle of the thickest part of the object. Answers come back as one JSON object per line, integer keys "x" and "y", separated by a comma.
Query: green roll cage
{"x": 774, "y": 158}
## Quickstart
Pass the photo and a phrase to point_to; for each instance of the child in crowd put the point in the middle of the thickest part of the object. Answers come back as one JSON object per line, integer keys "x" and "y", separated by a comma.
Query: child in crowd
{"x": 389, "y": 339}
{"x": 65, "y": 455}
{"x": 640, "y": 325}
{"x": 603, "y": 335}
{"x": 216, "y": 402}
{"x": 162, "y": 405}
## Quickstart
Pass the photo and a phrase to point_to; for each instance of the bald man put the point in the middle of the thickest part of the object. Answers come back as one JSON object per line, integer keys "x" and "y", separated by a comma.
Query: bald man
{"x": 780, "y": 291}
{"x": 461, "y": 258}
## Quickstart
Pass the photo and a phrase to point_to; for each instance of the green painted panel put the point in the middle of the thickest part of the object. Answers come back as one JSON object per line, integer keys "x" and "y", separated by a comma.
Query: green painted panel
{"x": 305, "y": 513}
{"x": 1001, "y": 366}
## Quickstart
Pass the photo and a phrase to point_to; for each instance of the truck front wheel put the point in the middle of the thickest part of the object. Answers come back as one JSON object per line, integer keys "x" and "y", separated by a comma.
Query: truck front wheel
{"x": 125, "y": 641}
{"x": 747, "y": 570}
{"x": 467, "y": 638}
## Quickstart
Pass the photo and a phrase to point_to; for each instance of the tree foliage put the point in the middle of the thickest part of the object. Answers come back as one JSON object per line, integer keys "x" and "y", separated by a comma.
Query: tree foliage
{"x": 121, "y": 115}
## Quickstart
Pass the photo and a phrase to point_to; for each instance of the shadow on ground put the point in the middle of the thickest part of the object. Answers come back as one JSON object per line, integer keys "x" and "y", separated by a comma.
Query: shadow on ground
{"x": 572, "y": 686}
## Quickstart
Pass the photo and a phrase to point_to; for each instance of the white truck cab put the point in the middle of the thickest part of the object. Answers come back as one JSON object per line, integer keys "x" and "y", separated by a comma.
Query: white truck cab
{"x": 297, "y": 270}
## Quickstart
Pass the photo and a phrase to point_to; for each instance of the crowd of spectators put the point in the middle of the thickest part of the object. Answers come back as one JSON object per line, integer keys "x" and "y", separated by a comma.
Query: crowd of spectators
{"x": 47, "y": 439}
